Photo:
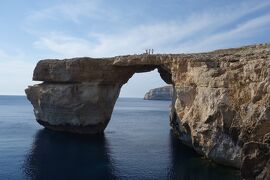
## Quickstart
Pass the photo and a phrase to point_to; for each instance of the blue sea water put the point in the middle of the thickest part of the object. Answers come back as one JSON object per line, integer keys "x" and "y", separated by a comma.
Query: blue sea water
{"x": 137, "y": 144}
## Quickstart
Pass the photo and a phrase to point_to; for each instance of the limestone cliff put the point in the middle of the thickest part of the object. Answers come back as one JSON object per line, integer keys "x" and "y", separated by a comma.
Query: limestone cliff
{"x": 220, "y": 105}
{"x": 161, "y": 93}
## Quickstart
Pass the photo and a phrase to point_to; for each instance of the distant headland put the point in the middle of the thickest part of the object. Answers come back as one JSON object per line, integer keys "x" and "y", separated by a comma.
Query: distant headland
{"x": 161, "y": 93}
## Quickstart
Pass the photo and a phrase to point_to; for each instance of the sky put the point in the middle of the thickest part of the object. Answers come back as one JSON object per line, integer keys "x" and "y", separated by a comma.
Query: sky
{"x": 32, "y": 30}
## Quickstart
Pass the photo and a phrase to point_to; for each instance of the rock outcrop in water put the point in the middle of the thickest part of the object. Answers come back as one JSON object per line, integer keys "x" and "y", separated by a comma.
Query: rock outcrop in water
{"x": 220, "y": 105}
{"x": 161, "y": 93}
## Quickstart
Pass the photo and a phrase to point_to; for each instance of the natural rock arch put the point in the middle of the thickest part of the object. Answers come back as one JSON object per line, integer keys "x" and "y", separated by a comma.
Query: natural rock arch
{"x": 78, "y": 95}
{"x": 220, "y": 105}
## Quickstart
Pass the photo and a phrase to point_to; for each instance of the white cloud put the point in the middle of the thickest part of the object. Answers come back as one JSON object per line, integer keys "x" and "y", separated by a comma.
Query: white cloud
{"x": 15, "y": 73}
{"x": 73, "y": 10}
{"x": 132, "y": 41}
{"x": 64, "y": 45}
{"x": 172, "y": 36}
{"x": 225, "y": 39}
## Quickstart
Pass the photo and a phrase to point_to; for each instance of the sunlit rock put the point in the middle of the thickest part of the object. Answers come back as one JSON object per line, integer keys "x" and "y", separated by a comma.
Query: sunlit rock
{"x": 161, "y": 93}
{"x": 220, "y": 105}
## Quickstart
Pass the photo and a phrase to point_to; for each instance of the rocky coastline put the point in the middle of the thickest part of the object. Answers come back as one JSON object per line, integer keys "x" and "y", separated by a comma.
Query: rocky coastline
{"x": 162, "y": 93}
{"x": 220, "y": 103}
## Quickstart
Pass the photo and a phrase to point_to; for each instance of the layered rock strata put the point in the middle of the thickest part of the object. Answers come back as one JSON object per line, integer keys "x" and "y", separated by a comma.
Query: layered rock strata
{"x": 78, "y": 95}
{"x": 220, "y": 105}
{"x": 161, "y": 93}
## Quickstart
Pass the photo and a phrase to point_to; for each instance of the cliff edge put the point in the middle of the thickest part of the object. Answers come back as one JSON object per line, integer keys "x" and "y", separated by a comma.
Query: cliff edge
{"x": 161, "y": 93}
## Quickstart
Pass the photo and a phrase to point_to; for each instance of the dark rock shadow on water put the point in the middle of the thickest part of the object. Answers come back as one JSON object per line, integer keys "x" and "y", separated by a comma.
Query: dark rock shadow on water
{"x": 64, "y": 156}
{"x": 188, "y": 165}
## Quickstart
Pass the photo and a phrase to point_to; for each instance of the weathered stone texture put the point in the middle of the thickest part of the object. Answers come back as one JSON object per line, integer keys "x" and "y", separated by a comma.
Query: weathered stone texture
{"x": 220, "y": 106}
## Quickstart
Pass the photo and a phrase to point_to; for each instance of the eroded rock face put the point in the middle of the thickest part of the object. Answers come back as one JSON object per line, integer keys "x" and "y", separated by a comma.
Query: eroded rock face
{"x": 78, "y": 95}
{"x": 255, "y": 159}
{"x": 80, "y": 107}
{"x": 161, "y": 93}
{"x": 220, "y": 106}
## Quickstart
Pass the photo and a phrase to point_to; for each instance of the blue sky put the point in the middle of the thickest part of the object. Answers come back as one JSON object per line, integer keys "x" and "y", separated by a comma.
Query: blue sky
{"x": 32, "y": 30}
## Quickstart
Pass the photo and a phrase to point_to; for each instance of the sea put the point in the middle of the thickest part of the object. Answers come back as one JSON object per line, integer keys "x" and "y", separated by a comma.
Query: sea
{"x": 137, "y": 144}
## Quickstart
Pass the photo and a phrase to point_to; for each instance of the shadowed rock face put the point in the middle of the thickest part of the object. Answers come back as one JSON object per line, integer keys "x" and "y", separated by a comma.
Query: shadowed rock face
{"x": 220, "y": 106}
